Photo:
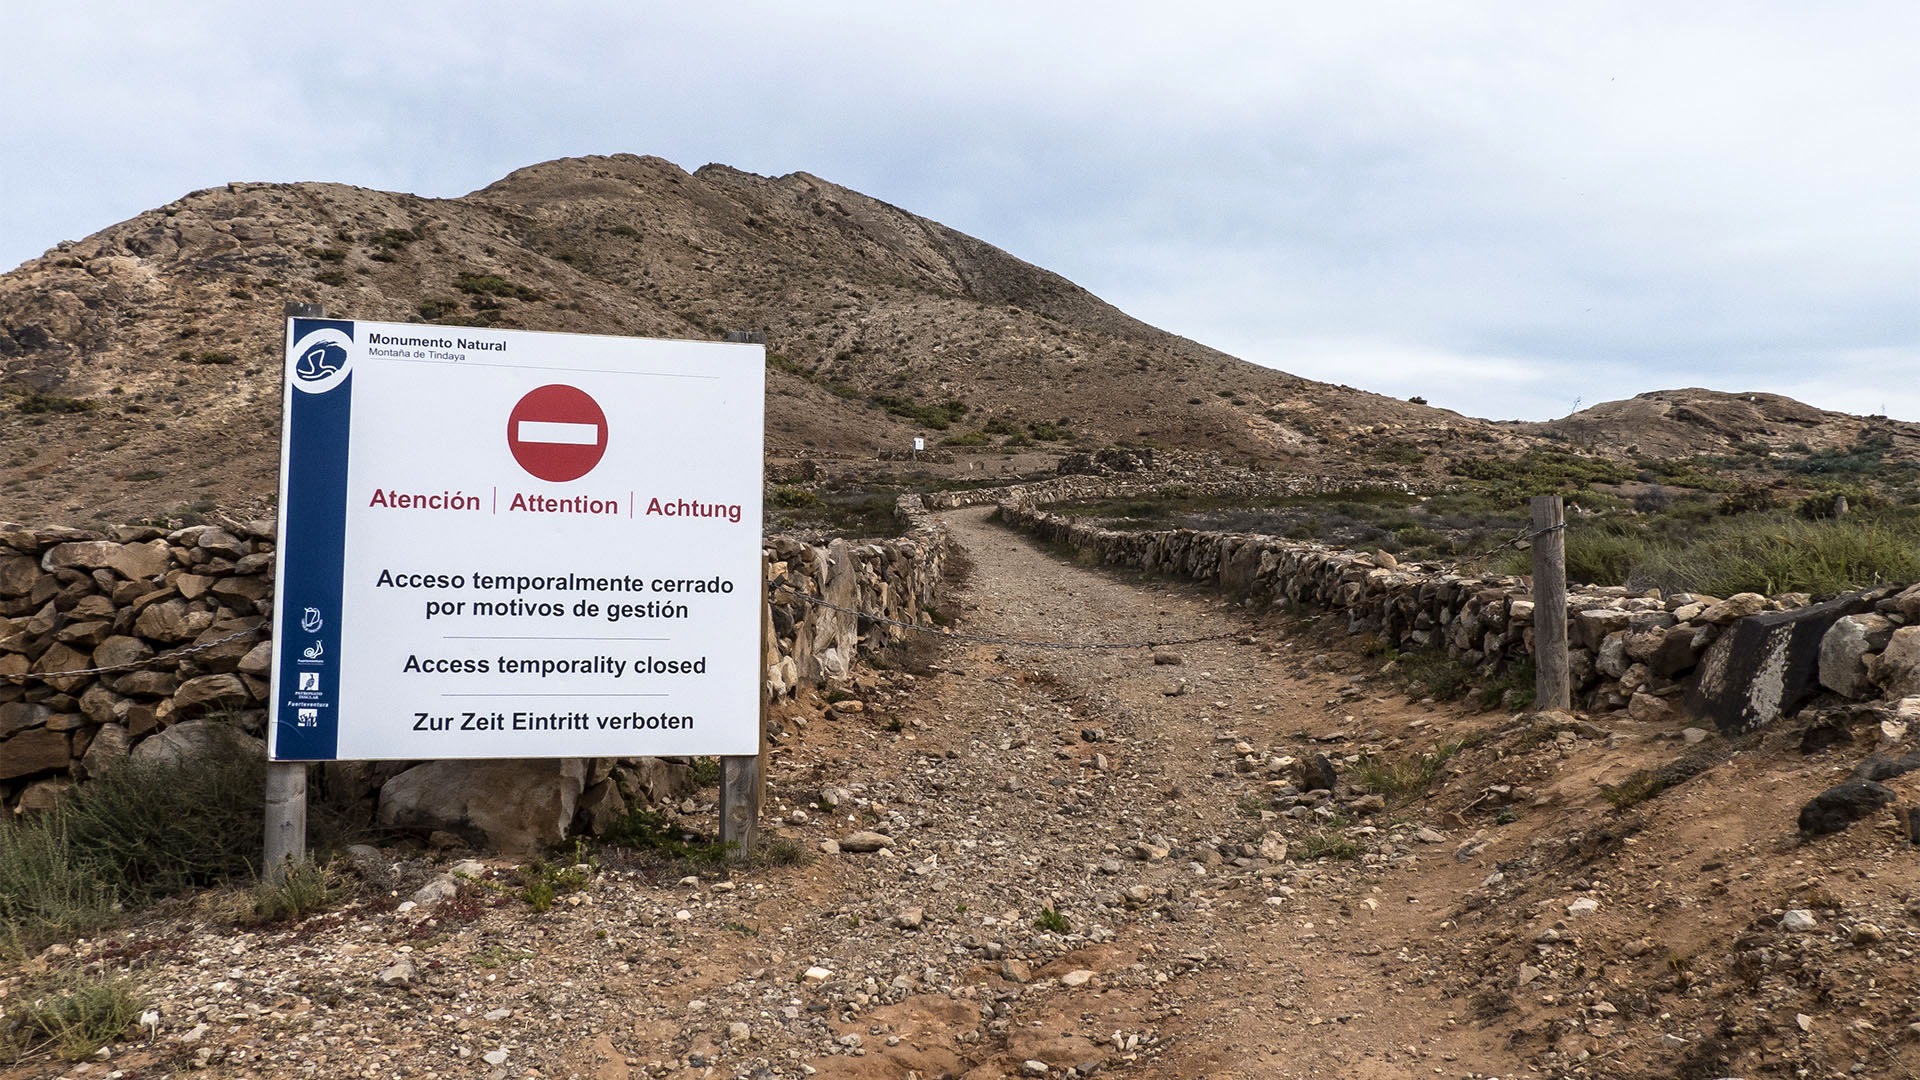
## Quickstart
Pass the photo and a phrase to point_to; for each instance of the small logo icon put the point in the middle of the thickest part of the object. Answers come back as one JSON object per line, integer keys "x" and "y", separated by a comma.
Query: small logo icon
{"x": 320, "y": 360}
{"x": 313, "y": 652}
{"x": 307, "y": 717}
{"x": 324, "y": 359}
{"x": 310, "y": 620}
{"x": 310, "y": 680}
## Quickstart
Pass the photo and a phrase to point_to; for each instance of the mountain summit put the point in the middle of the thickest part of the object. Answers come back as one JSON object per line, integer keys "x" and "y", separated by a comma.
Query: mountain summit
{"x": 144, "y": 365}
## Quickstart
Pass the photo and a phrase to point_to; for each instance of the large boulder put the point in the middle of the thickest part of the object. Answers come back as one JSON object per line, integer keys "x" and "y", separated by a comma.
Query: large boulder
{"x": 33, "y": 751}
{"x": 1844, "y": 651}
{"x": 519, "y": 806}
{"x": 1897, "y": 669}
{"x": 824, "y": 643}
{"x": 133, "y": 561}
{"x": 209, "y": 693}
{"x": 1765, "y": 666}
{"x": 193, "y": 739}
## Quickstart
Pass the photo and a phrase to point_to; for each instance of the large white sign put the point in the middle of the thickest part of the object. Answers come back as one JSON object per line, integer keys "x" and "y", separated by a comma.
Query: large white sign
{"x": 497, "y": 543}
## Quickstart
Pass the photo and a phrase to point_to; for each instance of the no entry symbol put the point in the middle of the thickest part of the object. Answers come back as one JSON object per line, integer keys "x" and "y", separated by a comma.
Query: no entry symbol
{"x": 557, "y": 433}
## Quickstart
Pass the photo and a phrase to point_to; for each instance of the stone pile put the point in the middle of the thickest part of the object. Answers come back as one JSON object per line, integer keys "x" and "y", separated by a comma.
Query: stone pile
{"x": 83, "y": 615}
{"x": 110, "y": 638}
{"x": 1638, "y": 652}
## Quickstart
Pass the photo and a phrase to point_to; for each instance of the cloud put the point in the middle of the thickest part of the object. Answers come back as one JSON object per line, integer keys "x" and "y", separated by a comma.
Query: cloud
{"x": 1608, "y": 197}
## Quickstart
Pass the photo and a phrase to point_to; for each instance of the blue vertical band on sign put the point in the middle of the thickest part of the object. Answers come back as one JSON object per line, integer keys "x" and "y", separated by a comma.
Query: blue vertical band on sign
{"x": 312, "y": 563}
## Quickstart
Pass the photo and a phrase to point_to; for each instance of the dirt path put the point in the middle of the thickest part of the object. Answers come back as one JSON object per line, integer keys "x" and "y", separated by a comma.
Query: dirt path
{"x": 1074, "y": 878}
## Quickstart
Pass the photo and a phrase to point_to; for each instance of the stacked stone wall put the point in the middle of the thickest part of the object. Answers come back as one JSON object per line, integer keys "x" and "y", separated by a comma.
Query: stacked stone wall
{"x": 180, "y": 620}
{"x": 1638, "y": 652}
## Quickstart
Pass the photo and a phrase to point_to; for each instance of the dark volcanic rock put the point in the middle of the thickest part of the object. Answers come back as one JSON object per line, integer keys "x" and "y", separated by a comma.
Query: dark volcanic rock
{"x": 1841, "y": 805}
{"x": 1878, "y": 767}
{"x": 1317, "y": 773}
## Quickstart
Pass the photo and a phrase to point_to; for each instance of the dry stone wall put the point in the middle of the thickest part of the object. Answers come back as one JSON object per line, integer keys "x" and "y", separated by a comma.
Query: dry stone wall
{"x": 137, "y": 640}
{"x": 1249, "y": 485}
{"x": 1742, "y": 660}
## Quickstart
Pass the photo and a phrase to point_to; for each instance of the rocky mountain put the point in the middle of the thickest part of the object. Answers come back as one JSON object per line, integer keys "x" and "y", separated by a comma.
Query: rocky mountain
{"x": 143, "y": 371}
{"x": 139, "y": 369}
{"x": 1678, "y": 423}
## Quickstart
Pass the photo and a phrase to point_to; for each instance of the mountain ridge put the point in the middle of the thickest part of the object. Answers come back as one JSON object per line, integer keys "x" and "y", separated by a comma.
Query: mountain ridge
{"x": 161, "y": 334}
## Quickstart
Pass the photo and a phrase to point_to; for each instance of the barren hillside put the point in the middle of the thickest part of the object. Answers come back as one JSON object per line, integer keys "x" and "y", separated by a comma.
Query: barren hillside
{"x": 161, "y": 332}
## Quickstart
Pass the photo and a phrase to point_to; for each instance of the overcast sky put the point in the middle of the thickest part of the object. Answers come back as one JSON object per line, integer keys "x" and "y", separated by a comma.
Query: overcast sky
{"x": 1502, "y": 207}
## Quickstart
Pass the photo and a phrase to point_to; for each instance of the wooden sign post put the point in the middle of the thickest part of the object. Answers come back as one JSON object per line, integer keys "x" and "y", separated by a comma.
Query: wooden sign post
{"x": 286, "y": 811}
{"x": 743, "y": 780}
{"x": 1552, "y": 684}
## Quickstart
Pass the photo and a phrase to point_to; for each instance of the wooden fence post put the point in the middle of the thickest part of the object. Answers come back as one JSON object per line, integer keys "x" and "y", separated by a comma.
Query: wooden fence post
{"x": 743, "y": 780}
{"x": 1552, "y": 684}
{"x": 286, "y": 803}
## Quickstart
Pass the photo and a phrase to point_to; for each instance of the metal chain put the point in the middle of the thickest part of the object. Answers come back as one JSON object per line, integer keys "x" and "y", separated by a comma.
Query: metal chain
{"x": 981, "y": 639}
{"x": 171, "y": 654}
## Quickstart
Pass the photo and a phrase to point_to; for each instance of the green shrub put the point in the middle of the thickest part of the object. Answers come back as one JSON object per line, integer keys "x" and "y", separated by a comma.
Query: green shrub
{"x": 1327, "y": 844}
{"x": 1403, "y": 778}
{"x": 45, "y": 893}
{"x": 779, "y": 362}
{"x": 1820, "y": 505}
{"x": 434, "y": 310}
{"x": 152, "y": 828}
{"x": 1865, "y": 456}
{"x": 541, "y": 884}
{"x": 1596, "y": 557}
{"x": 790, "y": 497}
{"x": 1634, "y": 790}
{"x": 1776, "y": 553}
{"x": 137, "y": 832}
{"x": 306, "y": 890}
{"x": 331, "y": 277}
{"x": 493, "y": 285}
{"x": 1431, "y": 673}
{"x": 394, "y": 239}
{"x": 938, "y": 417}
{"x": 73, "y": 1017}
{"x": 35, "y": 401}
{"x": 1052, "y": 921}
{"x": 1540, "y": 472}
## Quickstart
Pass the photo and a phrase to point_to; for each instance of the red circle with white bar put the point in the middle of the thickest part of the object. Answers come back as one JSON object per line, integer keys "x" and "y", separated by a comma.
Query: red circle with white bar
{"x": 557, "y": 433}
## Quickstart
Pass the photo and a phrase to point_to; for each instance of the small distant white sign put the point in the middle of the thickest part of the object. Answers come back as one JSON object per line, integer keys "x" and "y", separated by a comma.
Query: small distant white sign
{"x": 919, "y": 443}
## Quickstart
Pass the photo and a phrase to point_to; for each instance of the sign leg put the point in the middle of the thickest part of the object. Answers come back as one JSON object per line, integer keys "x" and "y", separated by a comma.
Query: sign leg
{"x": 286, "y": 818}
{"x": 739, "y": 806}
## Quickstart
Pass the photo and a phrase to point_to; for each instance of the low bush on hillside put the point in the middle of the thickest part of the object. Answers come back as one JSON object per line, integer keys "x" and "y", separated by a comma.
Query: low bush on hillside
{"x": 1541, "y": 472}
{"x": 36, "y": 401}
{"x": 138, "y": 832}
{"x": 72, "y": 1016}
{"x": 939, "y": 416}
{"x": 1400, "y": 779}
{"x": 493, "y": 285}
